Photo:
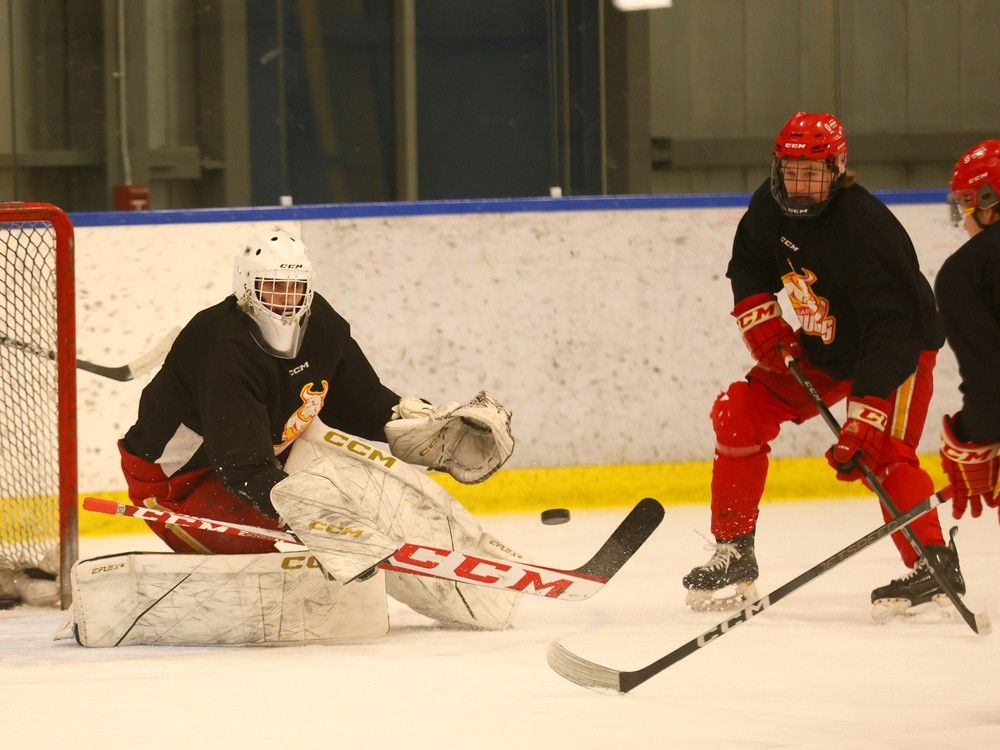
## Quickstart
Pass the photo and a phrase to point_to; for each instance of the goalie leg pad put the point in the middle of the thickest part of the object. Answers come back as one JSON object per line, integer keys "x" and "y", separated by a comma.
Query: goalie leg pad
{"x": 400, "y": 503}
{"x": 270, "y": 599}
{"x": 453, "y": 603}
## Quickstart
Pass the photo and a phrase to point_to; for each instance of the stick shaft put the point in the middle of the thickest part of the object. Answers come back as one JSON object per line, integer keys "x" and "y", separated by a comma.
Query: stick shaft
{"x": 142, "y": 364}
{"x": 412, "y": 559}
{"x": 973, "y": 621}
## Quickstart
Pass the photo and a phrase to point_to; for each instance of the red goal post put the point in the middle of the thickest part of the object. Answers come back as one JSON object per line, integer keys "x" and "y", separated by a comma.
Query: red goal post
{"x": 38, "y": 457}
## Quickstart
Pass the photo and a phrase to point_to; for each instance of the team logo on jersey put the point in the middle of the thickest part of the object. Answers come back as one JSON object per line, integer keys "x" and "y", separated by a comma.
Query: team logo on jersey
{"x": 811, "y": 309}
{"x": 312, "y": 404}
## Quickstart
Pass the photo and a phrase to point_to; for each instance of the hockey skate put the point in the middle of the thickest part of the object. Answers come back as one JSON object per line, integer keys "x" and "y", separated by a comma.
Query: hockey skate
{"x": 917, "y": 592}
{"x": 733, "y": 564}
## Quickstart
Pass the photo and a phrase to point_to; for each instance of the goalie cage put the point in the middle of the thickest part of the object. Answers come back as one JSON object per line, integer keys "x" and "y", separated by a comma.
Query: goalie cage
{"x": 38, "y": 465}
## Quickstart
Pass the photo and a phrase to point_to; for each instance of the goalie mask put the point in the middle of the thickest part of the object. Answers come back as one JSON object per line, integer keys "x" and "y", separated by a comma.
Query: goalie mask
{"x": 975, "y": 182}
{"x": 273, "y": 284}
{"x": 810, "y": 161}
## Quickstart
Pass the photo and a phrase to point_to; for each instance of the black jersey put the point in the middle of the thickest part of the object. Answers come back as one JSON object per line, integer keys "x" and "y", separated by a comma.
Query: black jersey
{"x": 968, "y": 294}
{"x": 852, "y": 277}
{"x": 221, "y": 401}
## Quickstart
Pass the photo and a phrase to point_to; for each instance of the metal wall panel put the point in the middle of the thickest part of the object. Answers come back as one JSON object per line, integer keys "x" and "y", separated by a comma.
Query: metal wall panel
{"x": 913, "y": 80}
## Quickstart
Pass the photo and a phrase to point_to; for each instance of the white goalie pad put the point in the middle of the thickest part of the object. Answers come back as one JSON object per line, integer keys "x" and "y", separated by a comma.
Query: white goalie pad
{"x": 339, "y": 480}
{"x": 270, "y": 599}
{"x": 469, "y": 441}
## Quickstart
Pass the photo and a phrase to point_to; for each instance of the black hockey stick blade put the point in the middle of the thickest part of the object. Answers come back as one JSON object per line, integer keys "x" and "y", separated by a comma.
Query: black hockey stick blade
{"x": 624, "y": 541}
{"x": 595, "y": 676}
{"x": 979, "y": 623}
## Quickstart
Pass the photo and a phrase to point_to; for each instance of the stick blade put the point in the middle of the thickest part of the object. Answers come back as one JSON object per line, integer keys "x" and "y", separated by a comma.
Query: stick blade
{"x": 582, "y": 672}
{"x": 983, "y": 624}
{"x": 626, "y": 540}
{"x": 154, "y": 357}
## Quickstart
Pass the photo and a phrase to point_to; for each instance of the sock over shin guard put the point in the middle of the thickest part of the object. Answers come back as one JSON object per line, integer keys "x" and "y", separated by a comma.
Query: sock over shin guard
{"x": 742, "y": 433}
{"x": 907, "y": 485}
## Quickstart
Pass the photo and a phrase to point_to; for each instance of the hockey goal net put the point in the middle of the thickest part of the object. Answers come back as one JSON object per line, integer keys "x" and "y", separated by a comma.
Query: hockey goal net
{"x": 38, "y": 494}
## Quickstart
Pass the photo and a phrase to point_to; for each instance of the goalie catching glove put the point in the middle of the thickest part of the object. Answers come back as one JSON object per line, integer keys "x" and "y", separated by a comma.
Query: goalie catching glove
{"x": 469, "y": 441}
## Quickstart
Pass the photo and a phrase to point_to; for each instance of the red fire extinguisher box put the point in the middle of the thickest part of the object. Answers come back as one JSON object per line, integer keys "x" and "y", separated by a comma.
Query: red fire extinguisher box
{"x": 131, "y": 197}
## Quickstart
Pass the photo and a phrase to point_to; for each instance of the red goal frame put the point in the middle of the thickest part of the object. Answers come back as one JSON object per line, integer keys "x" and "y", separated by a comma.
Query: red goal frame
{"x": 65, "y": 357}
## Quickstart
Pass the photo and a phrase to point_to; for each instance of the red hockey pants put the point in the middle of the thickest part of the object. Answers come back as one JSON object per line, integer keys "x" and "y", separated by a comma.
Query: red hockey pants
{"x": 749, "y": 415}
{"x": 196, "y": 493}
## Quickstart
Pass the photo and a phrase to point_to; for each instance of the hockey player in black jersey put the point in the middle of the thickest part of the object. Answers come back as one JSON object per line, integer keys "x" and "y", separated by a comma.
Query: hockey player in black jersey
{"x": 267, "y": 406}
{"x": 869, "y": 334}
{"x": 968, "y": 294}
{"x": 242, "y": 381}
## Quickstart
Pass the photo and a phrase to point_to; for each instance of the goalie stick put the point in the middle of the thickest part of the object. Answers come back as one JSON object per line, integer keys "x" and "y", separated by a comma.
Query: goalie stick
{"x": 589, "y": 674}
{"x": 417, "y": 559}
{"x": 979, "y": 623}
{"x": 140, "y": 366}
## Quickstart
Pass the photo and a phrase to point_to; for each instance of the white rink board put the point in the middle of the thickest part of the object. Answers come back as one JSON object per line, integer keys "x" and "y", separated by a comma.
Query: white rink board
{"x": 608, "y": 332}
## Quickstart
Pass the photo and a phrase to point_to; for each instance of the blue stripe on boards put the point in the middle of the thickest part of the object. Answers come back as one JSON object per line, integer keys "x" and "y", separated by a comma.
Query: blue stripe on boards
{"x": 429, "y": 208}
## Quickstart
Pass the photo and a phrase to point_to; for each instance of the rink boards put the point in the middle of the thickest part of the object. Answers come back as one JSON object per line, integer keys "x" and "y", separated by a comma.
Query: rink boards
{"x": 602, "y": 322}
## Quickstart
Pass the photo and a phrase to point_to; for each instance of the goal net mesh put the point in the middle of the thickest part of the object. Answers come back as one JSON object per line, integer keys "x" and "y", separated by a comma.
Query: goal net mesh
{"x": 29, "y": 395}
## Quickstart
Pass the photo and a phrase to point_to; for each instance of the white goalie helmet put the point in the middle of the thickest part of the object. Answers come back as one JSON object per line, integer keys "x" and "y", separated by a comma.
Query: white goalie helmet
{"x": 273, "y": 284}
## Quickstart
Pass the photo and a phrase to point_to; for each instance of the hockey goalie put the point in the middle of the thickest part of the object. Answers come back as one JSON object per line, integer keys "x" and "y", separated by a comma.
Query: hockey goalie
{"x": 267, "y": 414}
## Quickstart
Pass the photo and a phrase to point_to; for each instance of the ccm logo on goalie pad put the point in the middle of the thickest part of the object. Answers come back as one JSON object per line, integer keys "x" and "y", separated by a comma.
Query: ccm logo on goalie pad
{"x": 358, "y": 448}
{"x": 297, "y": 562}
{"x": 420, "y": 560}
{"x": 334, "y": 529}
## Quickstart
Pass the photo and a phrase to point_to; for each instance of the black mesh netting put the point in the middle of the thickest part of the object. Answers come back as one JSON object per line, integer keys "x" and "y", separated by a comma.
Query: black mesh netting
{"x": 29, "y": 437}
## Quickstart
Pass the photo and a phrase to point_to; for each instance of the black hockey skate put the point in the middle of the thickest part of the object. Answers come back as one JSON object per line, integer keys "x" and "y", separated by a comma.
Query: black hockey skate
{"x": 732, "y": 564}
{"x": 913, "y": 593}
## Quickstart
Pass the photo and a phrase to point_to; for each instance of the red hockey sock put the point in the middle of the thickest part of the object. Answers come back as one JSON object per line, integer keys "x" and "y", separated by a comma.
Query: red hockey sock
{"x": 908, "y": 485}
{"x": 737, "y": 487}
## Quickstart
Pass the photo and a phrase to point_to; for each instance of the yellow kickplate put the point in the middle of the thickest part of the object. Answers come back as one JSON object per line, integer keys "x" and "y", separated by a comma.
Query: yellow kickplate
{"x": 532, "y": 490}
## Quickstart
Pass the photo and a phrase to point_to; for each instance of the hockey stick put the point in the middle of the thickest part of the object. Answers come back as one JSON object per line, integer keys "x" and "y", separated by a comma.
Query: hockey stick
{"x": 589, "y": 674}
{"x": 450, "y": 565}
{"x": 980, "y": 623}
{"x": 140, "y": 366}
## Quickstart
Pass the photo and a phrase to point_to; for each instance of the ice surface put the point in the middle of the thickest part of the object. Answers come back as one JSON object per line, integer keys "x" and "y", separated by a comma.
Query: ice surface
{"x": 811, "y": 672}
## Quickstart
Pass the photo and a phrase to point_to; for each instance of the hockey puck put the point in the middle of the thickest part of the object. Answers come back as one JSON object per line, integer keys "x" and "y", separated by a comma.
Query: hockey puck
{"x": 554, "y": 516}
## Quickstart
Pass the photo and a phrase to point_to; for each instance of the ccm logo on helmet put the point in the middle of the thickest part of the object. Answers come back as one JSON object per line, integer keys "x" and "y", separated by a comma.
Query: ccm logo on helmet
{"x": 291, "y": 265}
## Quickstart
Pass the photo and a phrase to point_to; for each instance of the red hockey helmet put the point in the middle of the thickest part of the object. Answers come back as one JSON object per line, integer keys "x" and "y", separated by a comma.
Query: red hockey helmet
{"x": 975, "y": 181}
{"x": 801, "y": 189}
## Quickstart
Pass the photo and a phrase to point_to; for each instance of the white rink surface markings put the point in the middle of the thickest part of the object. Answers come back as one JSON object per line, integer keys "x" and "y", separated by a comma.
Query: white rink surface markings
{"x": 811, "y": 672}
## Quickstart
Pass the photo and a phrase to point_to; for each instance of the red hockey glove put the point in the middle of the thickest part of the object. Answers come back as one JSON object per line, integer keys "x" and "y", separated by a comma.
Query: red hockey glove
{"x": 972, "y": 469}
{"x": 861, "y": 437}
{"x": 763, "y": 328}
